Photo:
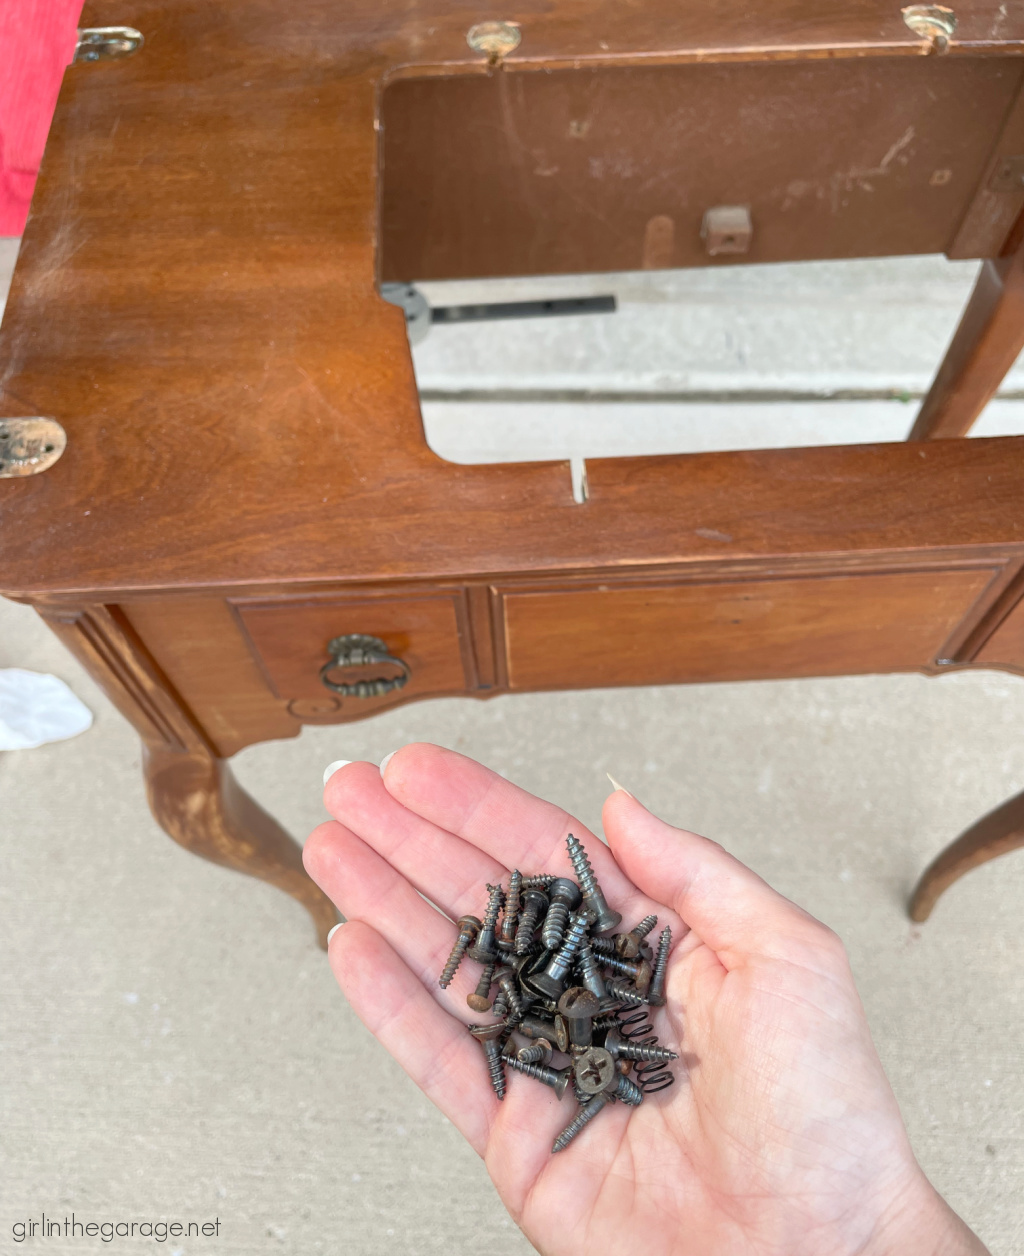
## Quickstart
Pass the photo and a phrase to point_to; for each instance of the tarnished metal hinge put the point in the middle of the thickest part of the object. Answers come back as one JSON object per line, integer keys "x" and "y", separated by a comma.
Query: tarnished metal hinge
{"x": 28, "y": 446}
{"x": 98, "y": 43}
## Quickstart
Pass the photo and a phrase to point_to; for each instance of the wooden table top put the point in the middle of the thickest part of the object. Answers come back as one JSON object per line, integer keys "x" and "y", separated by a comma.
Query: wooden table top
{"x": 196, "y": 303}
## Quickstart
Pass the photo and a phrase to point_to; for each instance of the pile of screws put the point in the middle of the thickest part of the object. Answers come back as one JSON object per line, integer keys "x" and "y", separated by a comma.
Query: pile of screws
{"x": 566, "y": 983}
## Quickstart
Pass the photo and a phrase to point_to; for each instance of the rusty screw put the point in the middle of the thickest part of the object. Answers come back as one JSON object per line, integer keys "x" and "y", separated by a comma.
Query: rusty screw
{"x": 624, "y": 993}
{"x": 487, "y": 1036}
{"x": 557, "y": 1078}
{"x": 590, "y": 971}
{"x": 480, "y": 1000}
{"x": 626, "y": 1089}
{"x": 620, "y": 1048}
{"x": 469, "y": 927}
{"x": 507, "y": 933}
{"x": 535, "y": 904}
{"x": 550, "y": 982}
{"x": 586, "y": 1114}
{"x": 595, "y": 1070}
{"x": 484, "y": 950}
{"x": 638, "y": 971}
{"x": 538, "y": 1052}
{"x": 579, "y": 1007}
{"x": 511, "y": 997}
{"x": 627, "y": 945}
{"x": 656, "y": 991}
{"x": 565, "y": 897}
{"x": 605, "y": 919}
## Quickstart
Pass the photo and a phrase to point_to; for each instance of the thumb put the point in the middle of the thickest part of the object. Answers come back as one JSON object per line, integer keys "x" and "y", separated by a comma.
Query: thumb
{"x": 729, "y": 907}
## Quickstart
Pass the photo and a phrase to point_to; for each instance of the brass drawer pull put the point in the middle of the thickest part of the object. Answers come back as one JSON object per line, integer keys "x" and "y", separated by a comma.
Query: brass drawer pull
{"x": 357, "y": 650}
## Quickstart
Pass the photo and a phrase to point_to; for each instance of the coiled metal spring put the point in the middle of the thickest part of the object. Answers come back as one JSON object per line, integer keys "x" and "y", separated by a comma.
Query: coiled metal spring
{"x": 633, "y": 1023}
{"x": 652, "y": 1075}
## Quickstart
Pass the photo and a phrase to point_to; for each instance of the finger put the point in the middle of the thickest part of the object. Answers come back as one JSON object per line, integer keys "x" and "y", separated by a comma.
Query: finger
{"x": 451, "y": 872}
{"x": 514, "y": 827}
{"x": 726, "y": 904}
{"x": 435, "y": 1050}
{"x": 367, "y": 888}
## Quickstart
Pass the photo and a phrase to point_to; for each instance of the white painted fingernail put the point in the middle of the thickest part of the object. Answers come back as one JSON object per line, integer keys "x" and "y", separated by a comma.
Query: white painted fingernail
{"x": 331, "y": 768}
{"x": 386, "y": 760}
{"x": 617, "y": 786}
{"x": 334, "y": 931}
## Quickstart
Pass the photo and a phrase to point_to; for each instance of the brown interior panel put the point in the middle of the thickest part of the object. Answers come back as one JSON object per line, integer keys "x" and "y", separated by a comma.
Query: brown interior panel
{"x": 809, "y": 626}
{"x": 609, "y": 169}
{"x": 290, "y": 640}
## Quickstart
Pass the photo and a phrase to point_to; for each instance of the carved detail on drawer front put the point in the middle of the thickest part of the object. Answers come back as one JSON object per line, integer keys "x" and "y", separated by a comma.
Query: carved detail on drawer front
{"x": 102, "y": 638}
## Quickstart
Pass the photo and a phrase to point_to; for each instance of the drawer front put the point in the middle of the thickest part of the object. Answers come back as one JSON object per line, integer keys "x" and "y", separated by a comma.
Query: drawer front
{"x": 806, "y": 626}
{"x": 290, "y": 641}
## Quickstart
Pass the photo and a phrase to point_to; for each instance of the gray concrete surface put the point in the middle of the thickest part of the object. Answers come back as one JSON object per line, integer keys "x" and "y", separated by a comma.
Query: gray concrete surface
{"x": 173, "y": 1044}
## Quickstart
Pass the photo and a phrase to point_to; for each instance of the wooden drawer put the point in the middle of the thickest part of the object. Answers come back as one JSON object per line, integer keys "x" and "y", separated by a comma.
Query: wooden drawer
{"x": 290, "y": 639}
{"x": 804, "y": 626}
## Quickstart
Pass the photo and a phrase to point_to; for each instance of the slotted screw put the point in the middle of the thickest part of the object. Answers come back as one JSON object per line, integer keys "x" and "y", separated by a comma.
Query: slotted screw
{"x": 469, "y": 927}
{"x": 551, "y": 980}
{"x": 480, "y": 1000}
{"x": 565, "y": 897}
{"x": 484, "y": 950}
{"x": 590, "y": 971}
{"x": 638, "y": 971}
{"x": 579, "y": 1007}
{"x": 605, "y": 920}
{"x": 557, "y": 1078}
{"x": 656, "y": 991}
{"x": 628, "y": 944}
{"x": 487, "y": 1036}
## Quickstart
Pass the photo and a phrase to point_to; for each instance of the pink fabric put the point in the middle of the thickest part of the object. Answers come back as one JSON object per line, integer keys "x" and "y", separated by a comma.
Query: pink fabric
{"x": 37, "y": 40}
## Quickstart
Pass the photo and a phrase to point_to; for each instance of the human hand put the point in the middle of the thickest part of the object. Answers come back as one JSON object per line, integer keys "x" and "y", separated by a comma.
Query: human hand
{"x": 781, "y": 1136}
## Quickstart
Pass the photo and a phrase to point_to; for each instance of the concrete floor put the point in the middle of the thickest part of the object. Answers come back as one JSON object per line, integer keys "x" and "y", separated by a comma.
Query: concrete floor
{"x": 174, "y": 1045}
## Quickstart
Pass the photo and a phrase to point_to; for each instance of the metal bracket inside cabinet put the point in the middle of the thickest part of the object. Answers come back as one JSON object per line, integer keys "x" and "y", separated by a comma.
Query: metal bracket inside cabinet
{"x": 100, "y": 43}
{"x": 419, "y": 315}
{"x": 28, "y": 446}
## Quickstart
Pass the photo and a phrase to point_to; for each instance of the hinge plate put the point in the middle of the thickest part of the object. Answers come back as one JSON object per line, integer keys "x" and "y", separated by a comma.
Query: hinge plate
{"x": 100, "y": 43}
{"x": 28, "y": 446}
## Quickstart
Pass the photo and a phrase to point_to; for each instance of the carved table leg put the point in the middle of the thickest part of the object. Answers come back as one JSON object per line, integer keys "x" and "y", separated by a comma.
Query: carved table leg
{"x": 997, "y": 833}
{"x": 195, "y": 798}
{"x": 192, "y": 793}
{"x": 984, "y": 347}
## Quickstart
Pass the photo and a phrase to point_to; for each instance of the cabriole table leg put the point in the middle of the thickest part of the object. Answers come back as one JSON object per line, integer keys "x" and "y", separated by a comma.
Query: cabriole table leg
{"x": 996, "y": 834}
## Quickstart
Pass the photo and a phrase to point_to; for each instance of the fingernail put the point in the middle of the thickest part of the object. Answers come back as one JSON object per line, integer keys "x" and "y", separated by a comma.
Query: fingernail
{"x": 334, "y": 931}
{"x": 331, "y": 768}
{"x": 386, "y": 760}
{"x": 616, "y": 785}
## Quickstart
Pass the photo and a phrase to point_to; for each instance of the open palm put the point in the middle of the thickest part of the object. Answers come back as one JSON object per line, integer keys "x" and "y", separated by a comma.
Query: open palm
{"x": 781, "y": 1135}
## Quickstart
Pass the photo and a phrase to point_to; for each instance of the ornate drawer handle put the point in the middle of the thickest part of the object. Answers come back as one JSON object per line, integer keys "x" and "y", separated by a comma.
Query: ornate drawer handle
{"x": 356, "y": 650}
